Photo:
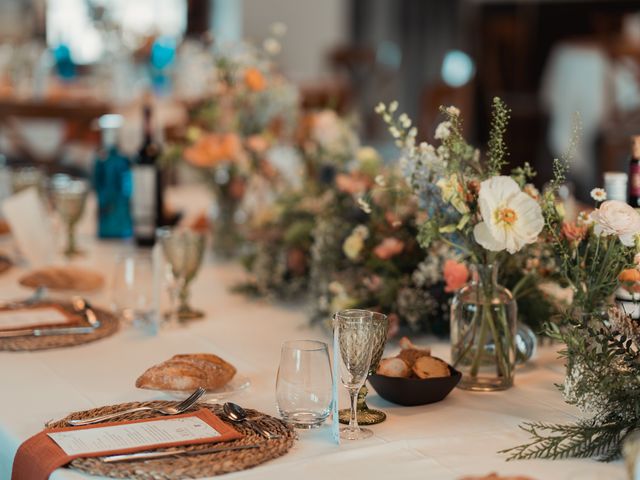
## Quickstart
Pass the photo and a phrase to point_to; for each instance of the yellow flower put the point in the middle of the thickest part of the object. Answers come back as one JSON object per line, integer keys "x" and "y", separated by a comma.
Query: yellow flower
{"x": 353, "y": 245}
{"x": 453, "y": 193}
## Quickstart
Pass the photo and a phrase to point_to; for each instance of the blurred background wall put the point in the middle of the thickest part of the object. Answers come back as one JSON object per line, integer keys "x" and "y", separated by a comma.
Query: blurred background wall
{"x": 546, "y": 58}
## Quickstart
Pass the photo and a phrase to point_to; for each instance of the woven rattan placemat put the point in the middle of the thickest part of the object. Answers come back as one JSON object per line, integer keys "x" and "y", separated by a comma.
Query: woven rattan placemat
{"x": 194, "y": 466}
{"x": 108, "y": 326}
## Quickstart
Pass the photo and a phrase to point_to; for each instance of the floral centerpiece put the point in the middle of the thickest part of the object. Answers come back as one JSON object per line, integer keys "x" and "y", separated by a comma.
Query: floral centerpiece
{"x": 232, "y": 133}
{"x": 366, "y": 254}
{"x": 281, "y": 232}
{"x": 596, "y": 255}
{"x": 485, "y": 216}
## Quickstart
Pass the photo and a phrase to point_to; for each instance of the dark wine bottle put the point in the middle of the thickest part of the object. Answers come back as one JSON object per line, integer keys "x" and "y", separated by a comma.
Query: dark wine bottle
{"x": 148, "y": 191}
{"x": 634, "y": 173}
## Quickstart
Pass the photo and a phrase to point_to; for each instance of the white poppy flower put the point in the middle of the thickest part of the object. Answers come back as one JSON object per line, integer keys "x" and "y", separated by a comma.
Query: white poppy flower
{"x": 511, "y": 218}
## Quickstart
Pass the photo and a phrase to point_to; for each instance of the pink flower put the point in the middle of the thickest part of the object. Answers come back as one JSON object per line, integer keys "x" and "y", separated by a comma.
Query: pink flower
{"x": 351, "y": 184}
{"x": 456, "y": 275}
{"x": 388, "y": 248}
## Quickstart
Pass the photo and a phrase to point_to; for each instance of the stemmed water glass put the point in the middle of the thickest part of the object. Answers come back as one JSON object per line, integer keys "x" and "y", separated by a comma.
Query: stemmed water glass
{"x": 183, "y": 249}
{"x": 366, "y": 415}
{"x": 355, "y": 331}
{"x": 68, "y": 197}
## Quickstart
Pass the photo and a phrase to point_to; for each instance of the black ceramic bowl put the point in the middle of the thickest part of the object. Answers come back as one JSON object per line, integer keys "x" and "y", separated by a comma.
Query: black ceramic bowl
{"x": 414, "y": 391}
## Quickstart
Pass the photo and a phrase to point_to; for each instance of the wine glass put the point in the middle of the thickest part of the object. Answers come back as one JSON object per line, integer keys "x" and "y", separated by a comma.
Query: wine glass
{"x": 366, "y": 415}
{"x": 304, "y": 383}
{"x": 68, "y": 197}
{"x": 183, "y": 249}
{"x": 354, "y": 330}
{"x": 132, "y": 291}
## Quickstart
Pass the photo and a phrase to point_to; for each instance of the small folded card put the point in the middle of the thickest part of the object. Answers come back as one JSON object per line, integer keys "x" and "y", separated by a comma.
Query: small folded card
{"x": 30, "y": 226}
{"x": 36, "y": 317}
{"x": 50, "y": 449}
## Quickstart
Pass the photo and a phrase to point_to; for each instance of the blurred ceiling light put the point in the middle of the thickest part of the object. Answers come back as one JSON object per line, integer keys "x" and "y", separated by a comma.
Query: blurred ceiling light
{"x": 389, "y": 55}
{"x": 457, "y": 68}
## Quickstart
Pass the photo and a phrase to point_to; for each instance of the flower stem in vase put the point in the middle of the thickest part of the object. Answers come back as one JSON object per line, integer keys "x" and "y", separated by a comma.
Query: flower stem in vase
{"x": 486, "y": 357}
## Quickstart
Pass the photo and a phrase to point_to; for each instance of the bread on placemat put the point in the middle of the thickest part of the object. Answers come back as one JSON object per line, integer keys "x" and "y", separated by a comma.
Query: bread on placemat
{"x": 188, "y": 372}
{"x": 64, "y": 278}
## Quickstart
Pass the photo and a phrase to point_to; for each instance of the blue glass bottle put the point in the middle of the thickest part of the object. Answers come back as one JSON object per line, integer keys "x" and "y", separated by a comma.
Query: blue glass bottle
{"x": 112, "y": 182}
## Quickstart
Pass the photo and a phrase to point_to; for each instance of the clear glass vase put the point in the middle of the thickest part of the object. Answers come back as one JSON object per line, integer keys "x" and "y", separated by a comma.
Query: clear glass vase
{"x": 225, "y": 227}
{"x": 483, "y": 331}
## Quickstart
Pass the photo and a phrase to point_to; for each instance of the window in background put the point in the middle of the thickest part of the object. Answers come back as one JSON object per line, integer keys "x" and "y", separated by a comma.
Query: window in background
{"x": 88, "y": 27}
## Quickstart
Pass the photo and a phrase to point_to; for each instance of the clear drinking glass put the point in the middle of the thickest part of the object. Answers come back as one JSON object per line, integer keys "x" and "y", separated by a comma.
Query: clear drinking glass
{"x": 132, "y": 292}
{"x": 68, "y": 197}
{"x": 304, "y": 383}
{"x": 183, "y": 249}
{"x": 355, "y": 332}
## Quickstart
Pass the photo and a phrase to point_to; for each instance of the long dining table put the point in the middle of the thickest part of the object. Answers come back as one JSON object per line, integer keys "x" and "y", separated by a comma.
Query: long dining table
{"x": 457, "y": 437}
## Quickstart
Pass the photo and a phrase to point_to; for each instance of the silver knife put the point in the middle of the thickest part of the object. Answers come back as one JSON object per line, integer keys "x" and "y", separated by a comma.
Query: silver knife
{"x": 152, "y": 455}
{"x": 43, "y": 332}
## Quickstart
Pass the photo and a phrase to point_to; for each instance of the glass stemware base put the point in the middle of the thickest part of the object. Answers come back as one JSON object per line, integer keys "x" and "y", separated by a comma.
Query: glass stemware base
{"x": 189, "y": 314}
{"x": 366, "y": 415}
{"x": 350, "y": 433}
{"x": 304, "y": 420}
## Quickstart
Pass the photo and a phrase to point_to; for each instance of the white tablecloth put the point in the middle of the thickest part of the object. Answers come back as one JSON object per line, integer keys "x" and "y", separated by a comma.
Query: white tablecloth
{"x": 446, "y": 440}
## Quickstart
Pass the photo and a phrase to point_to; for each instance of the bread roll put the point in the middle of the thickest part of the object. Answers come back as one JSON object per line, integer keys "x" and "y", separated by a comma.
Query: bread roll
{"x": 64, "y": 278}
{"x": 393, "y": 367}
{"x": 430, "y": 367}
{"x": 410, "y": 353}
{"x": 188, "y": 372}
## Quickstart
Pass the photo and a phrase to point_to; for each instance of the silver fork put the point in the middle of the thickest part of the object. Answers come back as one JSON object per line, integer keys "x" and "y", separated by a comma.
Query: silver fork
{"x": 180, "y": 408}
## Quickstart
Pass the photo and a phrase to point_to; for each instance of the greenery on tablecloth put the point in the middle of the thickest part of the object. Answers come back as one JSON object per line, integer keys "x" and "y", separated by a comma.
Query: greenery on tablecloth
{"x": 602, "y": 343}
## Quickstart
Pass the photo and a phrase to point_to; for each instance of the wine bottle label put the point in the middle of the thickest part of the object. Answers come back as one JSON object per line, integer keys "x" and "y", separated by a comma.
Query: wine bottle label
{"x": 144, "y": 198}
{"x": 634, "y": 180}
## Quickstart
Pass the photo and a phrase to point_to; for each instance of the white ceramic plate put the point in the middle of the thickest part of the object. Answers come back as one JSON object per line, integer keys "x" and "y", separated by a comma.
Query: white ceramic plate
{"x": 237, "y": 384}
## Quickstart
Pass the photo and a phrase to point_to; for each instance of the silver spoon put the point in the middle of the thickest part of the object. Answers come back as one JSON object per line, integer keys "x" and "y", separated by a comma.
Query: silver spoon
{"x": 80, "y": 305}
{"x": 237, "y": 414}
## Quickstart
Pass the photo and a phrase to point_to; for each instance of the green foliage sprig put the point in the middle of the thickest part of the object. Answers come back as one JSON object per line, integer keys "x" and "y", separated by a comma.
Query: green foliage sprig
{"x": 497, "y": 153}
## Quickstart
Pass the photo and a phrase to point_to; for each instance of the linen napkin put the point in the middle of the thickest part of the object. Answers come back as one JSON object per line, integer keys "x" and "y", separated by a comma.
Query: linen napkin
{"x": 40, "y": 316}
{"x": 40, "y": 455}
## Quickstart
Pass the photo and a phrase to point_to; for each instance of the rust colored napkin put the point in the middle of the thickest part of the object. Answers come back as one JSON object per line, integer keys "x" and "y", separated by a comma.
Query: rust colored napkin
{"x": 39, "y": 456}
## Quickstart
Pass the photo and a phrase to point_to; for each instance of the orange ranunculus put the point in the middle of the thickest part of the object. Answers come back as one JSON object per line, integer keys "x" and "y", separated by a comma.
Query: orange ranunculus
{"x": 388, "y": 248}
{"x": 629, "y": 275}
{"x": 351, "y": 184}
{"x": 254, "y": 79}
{"x": 572, "y": 232}
{"x": 211, "y": 149}
{"x": 630, "y": 280}
{"x": 456, "y": 275}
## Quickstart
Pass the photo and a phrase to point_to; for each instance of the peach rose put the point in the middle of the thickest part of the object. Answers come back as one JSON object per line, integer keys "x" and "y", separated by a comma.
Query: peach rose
{"x": 258, "y": 144}
{"x": 389, "y": 248}
{"x": 351, "y": 184}
{"x": 617, "y": 218}
{"x": 572, "y": 232}
{"x": 211, "y": 149}
{"x": 254, "y": 79}
{"x": 456, "y": 275}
